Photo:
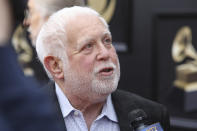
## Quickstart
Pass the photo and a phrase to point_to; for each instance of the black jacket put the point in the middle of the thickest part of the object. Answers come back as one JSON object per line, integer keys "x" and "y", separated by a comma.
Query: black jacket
{"x": 125, "y": 102}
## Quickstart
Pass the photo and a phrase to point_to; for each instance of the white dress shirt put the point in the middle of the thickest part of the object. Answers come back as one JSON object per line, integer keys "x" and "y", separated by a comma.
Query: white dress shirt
{"x": 74, "y": 120}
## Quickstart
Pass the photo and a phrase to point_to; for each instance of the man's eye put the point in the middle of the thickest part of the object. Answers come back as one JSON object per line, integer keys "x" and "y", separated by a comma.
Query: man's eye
{"x": 107, "y": 41}
{"x": 88, "y": 46}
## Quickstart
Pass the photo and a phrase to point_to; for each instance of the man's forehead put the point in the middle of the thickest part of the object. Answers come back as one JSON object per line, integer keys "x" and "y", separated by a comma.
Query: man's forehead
{"x": 84, "y": 23}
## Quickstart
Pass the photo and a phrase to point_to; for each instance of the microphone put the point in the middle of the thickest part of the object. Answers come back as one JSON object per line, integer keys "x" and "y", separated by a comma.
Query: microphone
{"x": 139, "y": 121}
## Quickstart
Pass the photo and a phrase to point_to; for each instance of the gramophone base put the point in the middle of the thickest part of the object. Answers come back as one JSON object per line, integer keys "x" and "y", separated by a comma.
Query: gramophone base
{"x": 188, "y": 99}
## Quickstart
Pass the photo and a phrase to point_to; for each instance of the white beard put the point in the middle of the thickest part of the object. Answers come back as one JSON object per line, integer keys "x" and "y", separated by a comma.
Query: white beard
{"x": 90, "y": 83}
{"x": 106, "y": 85}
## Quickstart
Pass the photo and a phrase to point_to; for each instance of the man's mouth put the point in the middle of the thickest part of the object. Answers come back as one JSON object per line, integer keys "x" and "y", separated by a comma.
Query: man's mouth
{"x": 107, "y": 71}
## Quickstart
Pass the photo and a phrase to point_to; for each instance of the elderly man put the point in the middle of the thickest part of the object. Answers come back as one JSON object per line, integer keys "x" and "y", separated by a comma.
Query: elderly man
{"x": 75, "y": 47}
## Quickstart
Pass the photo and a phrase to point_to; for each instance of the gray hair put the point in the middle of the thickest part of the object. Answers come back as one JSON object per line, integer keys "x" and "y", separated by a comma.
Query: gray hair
{"x": 48, "y": 7}
{"x": 52, "y": 39}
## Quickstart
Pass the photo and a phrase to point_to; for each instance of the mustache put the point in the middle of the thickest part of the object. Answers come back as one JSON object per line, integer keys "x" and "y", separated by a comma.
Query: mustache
{"x": 104, "y": 65}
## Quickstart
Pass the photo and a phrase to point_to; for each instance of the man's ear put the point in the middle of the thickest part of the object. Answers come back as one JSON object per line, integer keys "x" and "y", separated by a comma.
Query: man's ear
{"x": 55, "y": 66}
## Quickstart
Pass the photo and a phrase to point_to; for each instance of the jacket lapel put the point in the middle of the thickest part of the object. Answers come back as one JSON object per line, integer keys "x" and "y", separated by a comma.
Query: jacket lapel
{"x": 122, "y": 108}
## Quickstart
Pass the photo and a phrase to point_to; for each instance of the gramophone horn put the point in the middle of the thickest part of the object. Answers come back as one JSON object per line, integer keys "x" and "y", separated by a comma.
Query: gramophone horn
{"x": 105, "y": 7}
{"x": 182, "y": 45}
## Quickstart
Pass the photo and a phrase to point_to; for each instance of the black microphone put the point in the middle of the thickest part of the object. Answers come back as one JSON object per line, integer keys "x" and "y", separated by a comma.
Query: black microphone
{"x": 139, "y": 121}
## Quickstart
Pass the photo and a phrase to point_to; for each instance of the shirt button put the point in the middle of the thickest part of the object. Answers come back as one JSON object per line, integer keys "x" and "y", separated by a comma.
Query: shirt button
{"x": 76, "y": 113}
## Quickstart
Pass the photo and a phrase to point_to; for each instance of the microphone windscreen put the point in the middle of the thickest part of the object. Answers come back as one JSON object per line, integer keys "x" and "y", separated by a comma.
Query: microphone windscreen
{"x": 137, "y": 116}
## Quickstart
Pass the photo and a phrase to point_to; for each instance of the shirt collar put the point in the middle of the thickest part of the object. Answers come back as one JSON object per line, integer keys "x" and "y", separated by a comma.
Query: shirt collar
{"x": 65, "y": 105}
{"x": 108, "y": 110}
{"x": 66, "y": 108}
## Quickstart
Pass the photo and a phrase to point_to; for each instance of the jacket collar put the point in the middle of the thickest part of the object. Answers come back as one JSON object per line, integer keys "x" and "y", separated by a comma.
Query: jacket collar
{"x": 122, "y": 108}
{"x": 51, "y": 90}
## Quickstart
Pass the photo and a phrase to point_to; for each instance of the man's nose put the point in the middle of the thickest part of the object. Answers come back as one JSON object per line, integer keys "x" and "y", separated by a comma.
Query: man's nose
{"x": 103, "y": 53}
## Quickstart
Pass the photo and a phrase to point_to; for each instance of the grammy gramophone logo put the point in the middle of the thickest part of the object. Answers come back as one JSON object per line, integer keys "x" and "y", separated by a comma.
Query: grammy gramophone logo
{"x": 185, "y": 55}
{"x": 105, "y": 7}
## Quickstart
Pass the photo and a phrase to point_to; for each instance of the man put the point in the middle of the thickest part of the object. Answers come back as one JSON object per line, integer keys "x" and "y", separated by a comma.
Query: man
{"x": 75, "y": 47}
